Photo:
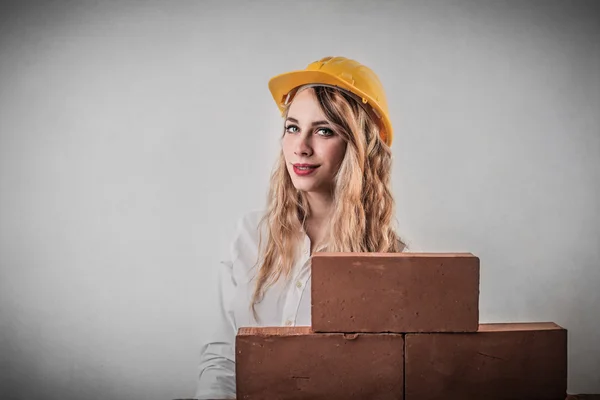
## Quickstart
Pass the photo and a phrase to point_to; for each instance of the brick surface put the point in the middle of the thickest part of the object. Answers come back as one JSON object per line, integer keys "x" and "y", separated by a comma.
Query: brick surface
{"x": 501, "y": 361}
{"x": 295, "y": 363}
{"x": 395, "y": 292}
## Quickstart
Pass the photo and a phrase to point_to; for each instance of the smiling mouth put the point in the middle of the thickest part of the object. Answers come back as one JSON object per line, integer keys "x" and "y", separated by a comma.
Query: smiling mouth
{"x": 305, "y": 166}
{"x": 304, "y": 170}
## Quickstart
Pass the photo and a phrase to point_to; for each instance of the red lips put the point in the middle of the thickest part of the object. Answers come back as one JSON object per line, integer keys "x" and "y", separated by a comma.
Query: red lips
{"x": 305, "y": 169}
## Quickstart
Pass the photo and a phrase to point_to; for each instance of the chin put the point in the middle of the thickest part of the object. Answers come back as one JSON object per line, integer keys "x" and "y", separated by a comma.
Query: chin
{"x": 304, "y": 186}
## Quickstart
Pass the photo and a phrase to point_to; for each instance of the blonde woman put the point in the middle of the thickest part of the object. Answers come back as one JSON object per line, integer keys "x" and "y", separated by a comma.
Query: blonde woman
{"x": 329, "y": 191}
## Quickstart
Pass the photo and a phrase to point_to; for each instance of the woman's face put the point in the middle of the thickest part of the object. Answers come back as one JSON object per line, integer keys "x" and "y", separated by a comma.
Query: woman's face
{"x": 313, "y": 151}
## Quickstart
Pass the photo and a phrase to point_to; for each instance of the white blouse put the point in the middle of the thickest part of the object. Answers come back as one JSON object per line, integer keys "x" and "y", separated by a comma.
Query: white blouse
{"x": 286, "y": 303}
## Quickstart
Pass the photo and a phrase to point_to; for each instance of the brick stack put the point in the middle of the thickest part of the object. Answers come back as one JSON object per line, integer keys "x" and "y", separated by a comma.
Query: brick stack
{"x": 400, "y": 326}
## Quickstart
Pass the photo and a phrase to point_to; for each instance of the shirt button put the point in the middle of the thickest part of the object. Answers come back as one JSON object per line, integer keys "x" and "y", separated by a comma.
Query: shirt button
{"x": 298, "y": 284}
{"x": 288, "y": 322}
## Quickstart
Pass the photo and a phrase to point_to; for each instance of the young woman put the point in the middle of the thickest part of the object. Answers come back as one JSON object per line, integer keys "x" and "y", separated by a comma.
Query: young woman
{"x": 330, "y": 191}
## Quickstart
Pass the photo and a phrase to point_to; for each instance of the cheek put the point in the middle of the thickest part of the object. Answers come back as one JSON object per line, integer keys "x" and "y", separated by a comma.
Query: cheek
{"x": 285, "y": 148}
{"x": 336, "y": 154}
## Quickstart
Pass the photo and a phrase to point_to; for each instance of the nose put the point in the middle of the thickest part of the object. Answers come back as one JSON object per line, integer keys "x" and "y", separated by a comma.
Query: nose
{"x": 302, "y": 147}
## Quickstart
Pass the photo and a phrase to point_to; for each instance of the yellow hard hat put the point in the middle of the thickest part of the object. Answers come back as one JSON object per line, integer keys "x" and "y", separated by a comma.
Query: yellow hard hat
{"x": 343, "y": 73}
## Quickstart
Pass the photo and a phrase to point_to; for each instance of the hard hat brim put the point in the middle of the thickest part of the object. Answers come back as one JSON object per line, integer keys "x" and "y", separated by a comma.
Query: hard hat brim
{"x": 281, "y": 85}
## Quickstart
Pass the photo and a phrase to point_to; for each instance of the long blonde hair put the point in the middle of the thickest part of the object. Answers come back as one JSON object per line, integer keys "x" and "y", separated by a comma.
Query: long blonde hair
{"x": 363, "y": 217}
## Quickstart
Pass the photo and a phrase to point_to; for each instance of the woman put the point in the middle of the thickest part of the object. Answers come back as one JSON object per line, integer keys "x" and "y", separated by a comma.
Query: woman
{"x": 329, "y": 192}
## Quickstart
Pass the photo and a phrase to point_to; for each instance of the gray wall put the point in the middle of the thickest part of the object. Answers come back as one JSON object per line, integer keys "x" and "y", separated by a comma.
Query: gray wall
{"x": 134, "y": 134}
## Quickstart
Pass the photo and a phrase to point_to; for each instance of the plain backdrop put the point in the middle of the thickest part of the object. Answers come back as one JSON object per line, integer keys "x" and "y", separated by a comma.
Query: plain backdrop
{"x": 133, "y": 135}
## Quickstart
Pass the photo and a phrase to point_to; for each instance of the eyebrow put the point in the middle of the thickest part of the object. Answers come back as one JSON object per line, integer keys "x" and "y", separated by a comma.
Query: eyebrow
{"x": 322, "y": 122}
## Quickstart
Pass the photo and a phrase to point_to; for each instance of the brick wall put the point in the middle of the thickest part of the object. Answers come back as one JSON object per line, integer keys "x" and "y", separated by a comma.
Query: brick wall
{"x": 400, "y": 326}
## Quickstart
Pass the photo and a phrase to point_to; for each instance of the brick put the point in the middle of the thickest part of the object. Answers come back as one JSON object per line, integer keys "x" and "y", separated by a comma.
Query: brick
{"x": 501, "y": 361}
{"x": 295, "y": 363}
{"x": 395, "y": 292}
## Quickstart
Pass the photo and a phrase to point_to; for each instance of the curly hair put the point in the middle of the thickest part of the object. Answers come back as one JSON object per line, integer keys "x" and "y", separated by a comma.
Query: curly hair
{"x": 363, "y": 218}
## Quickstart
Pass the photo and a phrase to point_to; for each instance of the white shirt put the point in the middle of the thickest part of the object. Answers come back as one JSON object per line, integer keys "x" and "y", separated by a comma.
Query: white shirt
{"x": 286, "y": 303}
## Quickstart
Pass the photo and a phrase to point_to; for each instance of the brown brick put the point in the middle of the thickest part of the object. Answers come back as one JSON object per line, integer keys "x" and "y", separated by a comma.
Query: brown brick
{"x": 395, "y": 292}
{"x": 295, "y": 363}
{"x": 501, "y": 361}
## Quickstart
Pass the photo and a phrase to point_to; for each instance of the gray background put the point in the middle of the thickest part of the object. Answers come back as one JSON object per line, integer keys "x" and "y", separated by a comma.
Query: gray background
{"x": 134, "y": 134}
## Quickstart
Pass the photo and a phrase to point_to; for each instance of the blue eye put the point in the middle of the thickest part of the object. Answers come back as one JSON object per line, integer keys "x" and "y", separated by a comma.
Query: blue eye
{"x": 287, "y": 128}
{"x": 325, "y": 132}
{"x": 328, "y": 131}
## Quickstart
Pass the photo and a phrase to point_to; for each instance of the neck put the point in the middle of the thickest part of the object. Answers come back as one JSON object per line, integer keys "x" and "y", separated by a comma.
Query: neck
{"x": 320, "y": 206}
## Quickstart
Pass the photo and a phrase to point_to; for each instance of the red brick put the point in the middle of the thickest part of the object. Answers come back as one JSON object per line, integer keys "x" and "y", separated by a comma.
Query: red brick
{"x": 395, "y": 292}
{"x": 501, "y": 361}
{"x": 295, "y": 363}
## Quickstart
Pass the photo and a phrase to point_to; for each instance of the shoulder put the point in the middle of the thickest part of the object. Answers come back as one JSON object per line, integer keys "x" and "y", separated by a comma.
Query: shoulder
{"x": 246, "y": 240}
{"x": 249, "y": 221}
{"x": 248, "y": 225}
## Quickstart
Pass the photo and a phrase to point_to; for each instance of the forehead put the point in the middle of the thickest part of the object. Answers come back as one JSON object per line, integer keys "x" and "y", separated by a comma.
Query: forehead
{"x": 305, "y": 106}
